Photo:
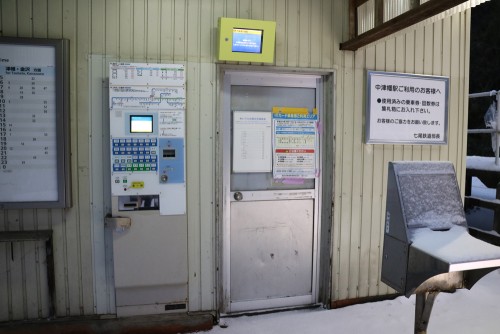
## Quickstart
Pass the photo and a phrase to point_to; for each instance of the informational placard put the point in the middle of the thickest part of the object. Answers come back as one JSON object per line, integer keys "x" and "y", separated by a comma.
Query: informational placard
{"x": 171, "y": 123}
{"x": 33, "y": 165}
{"x": 406, "y": 108}
{"x": 294, "y": 143}
{"x": 251, "y": 142}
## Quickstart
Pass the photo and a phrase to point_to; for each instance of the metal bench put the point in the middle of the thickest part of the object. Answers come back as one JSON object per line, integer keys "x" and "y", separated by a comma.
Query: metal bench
{"x": 427, "y": 245}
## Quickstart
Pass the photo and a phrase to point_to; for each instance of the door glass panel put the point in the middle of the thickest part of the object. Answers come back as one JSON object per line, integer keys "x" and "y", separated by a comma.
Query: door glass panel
{"x": 259, "y": 98}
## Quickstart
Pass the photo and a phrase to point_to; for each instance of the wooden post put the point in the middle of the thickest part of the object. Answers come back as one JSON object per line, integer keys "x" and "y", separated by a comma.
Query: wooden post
{"x": 353, "y": 19}
{"x": 379, "y": 12}
{"x": 414, "y": 4}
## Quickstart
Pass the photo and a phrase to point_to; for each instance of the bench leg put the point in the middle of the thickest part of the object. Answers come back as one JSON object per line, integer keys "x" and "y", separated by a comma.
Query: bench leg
{"x": 423, "y": 309}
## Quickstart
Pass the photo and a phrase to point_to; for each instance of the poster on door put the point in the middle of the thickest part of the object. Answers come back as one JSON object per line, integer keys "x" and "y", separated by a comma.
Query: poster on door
{"x": 294, "y": 143}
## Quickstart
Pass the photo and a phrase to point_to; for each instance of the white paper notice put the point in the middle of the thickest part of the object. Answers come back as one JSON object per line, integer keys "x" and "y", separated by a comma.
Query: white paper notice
{"x": 251, "y": 141}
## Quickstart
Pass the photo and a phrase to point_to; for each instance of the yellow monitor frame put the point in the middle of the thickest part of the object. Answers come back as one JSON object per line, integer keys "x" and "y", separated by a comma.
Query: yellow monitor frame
{"x": 229, "y": 26}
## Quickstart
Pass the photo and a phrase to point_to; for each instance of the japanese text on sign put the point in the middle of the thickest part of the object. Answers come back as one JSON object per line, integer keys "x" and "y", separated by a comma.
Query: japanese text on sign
{"x": 406, "y": 108}
{"x": 294, "y": 143}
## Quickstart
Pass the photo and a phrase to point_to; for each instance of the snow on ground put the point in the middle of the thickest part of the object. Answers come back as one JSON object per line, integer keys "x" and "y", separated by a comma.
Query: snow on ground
{"x": 465, "y": 311}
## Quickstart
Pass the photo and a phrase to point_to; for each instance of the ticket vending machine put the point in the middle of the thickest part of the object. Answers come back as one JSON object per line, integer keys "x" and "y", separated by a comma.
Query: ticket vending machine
{"x": 148, "y": 187}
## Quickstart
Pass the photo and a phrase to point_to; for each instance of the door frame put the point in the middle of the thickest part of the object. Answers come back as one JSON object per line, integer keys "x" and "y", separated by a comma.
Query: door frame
{"x": 321, "y": 251}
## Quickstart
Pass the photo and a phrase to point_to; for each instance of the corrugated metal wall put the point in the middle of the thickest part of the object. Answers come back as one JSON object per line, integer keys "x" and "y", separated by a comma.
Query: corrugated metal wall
{"x": 184, "y": 31}
{"x": 439, "y": 48}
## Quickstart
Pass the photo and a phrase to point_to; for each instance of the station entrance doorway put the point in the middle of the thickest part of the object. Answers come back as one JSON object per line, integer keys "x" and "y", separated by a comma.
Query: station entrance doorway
{"x": 271, "y": 156}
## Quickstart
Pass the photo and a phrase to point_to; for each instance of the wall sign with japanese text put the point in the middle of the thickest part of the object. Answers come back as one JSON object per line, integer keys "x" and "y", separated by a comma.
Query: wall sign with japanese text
{"x": 34, "y": 137}
{"x": 295, "y": 140}
{"x": 406, "y": 108}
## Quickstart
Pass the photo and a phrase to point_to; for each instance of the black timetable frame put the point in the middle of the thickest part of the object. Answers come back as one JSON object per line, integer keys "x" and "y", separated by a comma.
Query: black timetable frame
{"x": 61, "y": 92}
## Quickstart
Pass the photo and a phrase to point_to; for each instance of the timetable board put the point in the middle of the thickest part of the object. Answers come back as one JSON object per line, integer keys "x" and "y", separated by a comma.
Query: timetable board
{"x": 32, "y": 170}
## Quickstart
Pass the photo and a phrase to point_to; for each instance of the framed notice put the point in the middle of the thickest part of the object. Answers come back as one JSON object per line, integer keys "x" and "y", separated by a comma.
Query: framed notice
{"x": 34, "y": 167}
{"x": 406, "y": 109}
{"x": 251, "y": 142}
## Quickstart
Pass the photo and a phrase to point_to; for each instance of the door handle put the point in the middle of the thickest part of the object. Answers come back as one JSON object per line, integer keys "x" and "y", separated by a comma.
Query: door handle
{"x": 238, "y": 196}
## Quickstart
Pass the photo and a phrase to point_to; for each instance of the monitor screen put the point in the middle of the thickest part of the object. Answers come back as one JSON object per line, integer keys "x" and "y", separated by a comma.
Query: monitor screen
{"x": 247, "y": 40}
{"x": 141, "y": 123}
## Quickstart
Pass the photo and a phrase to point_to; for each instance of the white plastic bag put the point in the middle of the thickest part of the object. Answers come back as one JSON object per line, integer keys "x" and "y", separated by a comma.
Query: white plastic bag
{"x": 490, "y": 120}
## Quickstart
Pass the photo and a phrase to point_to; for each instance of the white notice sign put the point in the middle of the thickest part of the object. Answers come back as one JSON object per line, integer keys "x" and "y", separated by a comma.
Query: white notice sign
{"x": 251, "y": 141}
{"x": 406, "y": 108}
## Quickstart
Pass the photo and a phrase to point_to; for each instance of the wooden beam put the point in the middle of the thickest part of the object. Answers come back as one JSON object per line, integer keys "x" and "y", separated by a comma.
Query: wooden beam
{"x": 415, "y": 15}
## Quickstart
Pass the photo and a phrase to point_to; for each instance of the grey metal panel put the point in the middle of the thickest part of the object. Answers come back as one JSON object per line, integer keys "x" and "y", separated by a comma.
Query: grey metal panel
{"x": 394, "y": 210}
{"x": 421, "y": 267}
{"x": 157, "y": 294}
{"x": 394, "y": 264}
{"x": 150, "y": 261}
{"x": 152, "y": 252}
{"x": 273, "y": 257}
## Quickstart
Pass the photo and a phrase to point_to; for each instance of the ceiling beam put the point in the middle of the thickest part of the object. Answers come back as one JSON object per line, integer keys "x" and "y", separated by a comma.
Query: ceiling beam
{"x": 415, "y": 15}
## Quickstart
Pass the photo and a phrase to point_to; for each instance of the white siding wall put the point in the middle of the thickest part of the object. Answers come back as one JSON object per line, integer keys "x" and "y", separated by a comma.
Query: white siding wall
{"x": 184, "y": 31}
{"x": 440, "y": 48}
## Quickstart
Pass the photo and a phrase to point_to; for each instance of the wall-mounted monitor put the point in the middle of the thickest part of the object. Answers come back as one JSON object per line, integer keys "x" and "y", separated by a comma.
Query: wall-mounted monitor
{"x": 246, "y": 40}
{"x": 34, "y": 123}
